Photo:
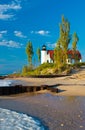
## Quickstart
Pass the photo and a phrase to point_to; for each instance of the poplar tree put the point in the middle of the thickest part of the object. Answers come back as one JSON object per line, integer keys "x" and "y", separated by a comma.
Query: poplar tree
{"x": 58, "y": 56}
{"x": 29, "y": 52}
{"x": 60, "y": 51}
{"x": 64, "y": 38}
{"x": 39, "y": 54}
{"x": 75, "y": 39}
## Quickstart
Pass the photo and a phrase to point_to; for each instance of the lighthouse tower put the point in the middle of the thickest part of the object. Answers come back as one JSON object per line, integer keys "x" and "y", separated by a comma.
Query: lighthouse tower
{"x": 43, "y": 54}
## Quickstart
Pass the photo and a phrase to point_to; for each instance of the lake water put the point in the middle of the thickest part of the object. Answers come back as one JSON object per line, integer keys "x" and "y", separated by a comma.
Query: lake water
{"x": 7, "y": 82}
{"x": 58, "y": 112}
{"x": 11, "y": 120}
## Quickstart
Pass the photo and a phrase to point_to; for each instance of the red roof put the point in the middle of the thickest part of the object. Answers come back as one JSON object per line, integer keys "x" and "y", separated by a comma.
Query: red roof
{"x": 70, "y": 53}
{"x": 51, "y": 53}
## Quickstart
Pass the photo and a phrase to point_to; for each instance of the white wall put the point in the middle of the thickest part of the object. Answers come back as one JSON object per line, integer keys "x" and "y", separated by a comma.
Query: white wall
{"x": 45, "y": 57}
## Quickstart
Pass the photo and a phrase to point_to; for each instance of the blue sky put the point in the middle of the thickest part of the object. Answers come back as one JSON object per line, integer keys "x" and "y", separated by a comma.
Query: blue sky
{"x": 38, "y": 21}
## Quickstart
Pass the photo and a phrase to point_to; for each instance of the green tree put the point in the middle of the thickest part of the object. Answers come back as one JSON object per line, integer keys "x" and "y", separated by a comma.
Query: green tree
{"x": 29, "y": 52}
{"x": 64, "y": 38}
{"x": 58, "y": 56}
{"x": 25, "y": 69}
{"x": 75, "y": 39}
{"x": 39, "y": 54}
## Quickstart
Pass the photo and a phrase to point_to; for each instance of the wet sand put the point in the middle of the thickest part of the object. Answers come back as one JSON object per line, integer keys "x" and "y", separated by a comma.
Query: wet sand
{"x": 62, "y": 111}
{"x": 56, "y": 112}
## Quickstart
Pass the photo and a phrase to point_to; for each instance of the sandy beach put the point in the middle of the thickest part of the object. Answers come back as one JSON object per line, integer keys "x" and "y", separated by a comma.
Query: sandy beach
{"x": 73, "y": 85}
{"x": 61, "y": 111}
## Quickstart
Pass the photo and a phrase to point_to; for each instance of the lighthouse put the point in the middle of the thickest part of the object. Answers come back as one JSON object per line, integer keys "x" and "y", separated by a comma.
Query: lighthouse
{"x": 43, "y": 54}
{"x": 46, "y": 55}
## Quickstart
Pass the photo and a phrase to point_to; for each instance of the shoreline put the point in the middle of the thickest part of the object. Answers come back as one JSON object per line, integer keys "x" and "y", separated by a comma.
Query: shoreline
{"x": 61, "y": 111}
{"x": 55, "y": 112}
{"x": 73, "y": 85}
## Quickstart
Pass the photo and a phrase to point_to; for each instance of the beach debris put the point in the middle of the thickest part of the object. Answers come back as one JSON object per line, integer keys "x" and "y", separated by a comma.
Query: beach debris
{"x": 79, "y": 115}
{"x": 81, "y": 126}
{"x": 62, "y": 124}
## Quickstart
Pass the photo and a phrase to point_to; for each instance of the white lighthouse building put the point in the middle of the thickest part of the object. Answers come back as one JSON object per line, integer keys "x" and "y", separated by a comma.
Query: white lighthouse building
{"x": 46, "y": 55}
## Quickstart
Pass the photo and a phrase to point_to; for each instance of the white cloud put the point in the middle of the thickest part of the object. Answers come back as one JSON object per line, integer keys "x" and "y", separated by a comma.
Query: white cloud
{"x": 10, "y": 43}
{"x": 5, "y": 8}
{"x": 2, "y": 33}
{"x": 51, "y": 45}
{"x": 41, "y": 32}
{"x": 5, "y": 16}
{"x": 19, "y": 34}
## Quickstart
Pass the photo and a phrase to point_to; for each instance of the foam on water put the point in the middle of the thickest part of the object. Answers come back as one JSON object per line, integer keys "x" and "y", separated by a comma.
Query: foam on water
{"x": 8, "y": 82}
{"x": 11, "y": 120}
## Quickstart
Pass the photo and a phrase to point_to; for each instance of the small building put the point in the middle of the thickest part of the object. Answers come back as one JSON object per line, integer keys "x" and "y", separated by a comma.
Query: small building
{"x": 47, "y": 56}
{"x": 71, "y": 56}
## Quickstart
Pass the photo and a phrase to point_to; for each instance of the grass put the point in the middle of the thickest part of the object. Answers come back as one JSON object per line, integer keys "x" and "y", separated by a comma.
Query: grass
{"x": 43, "y": 69}
{"x": 47, "y": 69}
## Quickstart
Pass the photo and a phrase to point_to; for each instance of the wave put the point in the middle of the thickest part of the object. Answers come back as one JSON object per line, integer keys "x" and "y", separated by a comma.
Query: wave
{"x": 9, "y": 82}
{"x": 11, "y": 120}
